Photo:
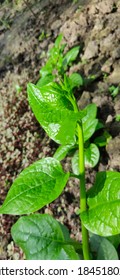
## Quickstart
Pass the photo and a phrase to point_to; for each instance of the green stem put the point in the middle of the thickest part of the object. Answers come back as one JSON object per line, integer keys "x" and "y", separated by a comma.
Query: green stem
{"x": 83, "y": 202}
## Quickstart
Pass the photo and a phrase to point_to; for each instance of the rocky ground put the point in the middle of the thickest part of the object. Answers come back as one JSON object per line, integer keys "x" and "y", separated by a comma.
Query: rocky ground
{"x": 27, "y": 30}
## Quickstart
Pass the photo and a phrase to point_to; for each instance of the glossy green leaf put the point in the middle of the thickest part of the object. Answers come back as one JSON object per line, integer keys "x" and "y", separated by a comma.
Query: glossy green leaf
{"x": 62, "y": 151}
{"x": 58, "y": 41}
{"x": 37, "y": 185}
{"x": 102, "y": 248}
{"x": 45, "y": 80}
{"x": 46, "y": 70}
{"x": 76, "y": 80}
{"x": 92, "y": 155}
{"x": 54, "y": 54}
{"x": 70, "y": 56}
{"x": 41, "y": 238}
{"x": 103, "y": 215}
{"x": 89, "y": 121}
{"x": 89, "y": 128}
{"x": 66, "y": 84}
{"x": 54, "y": 112}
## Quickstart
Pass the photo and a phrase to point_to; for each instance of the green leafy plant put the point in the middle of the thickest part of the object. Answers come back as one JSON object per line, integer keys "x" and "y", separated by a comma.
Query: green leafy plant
{"x": 5, "y": 22}
{"x": 43, "y": 35}
{"x": 114, "y": 90}
{"x": 18, "y": 88}
{"x": 75, "y": 1}
{"x": 117, "y": 118}
{"x": 103, "y": 139}
{"x": 40, "y": 236}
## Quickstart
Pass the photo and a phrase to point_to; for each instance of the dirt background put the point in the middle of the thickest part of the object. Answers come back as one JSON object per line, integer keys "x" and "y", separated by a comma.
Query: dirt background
{"x": 27, "y": 30}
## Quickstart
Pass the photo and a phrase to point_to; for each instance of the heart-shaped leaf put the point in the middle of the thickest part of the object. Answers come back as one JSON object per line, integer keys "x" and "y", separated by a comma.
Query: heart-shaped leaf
{"x": 41, "y": 238}
{"x": 36, "y": 186}
{"x": 54, "y": 112}
{"x": 103, "y": 215}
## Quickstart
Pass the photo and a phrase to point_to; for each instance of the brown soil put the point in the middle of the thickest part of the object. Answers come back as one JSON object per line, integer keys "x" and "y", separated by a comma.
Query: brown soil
{"x": 95, "y": 26}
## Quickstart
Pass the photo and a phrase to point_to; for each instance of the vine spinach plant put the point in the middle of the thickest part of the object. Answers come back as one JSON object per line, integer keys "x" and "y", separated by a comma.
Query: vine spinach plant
{"x": 40, "y": 236}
